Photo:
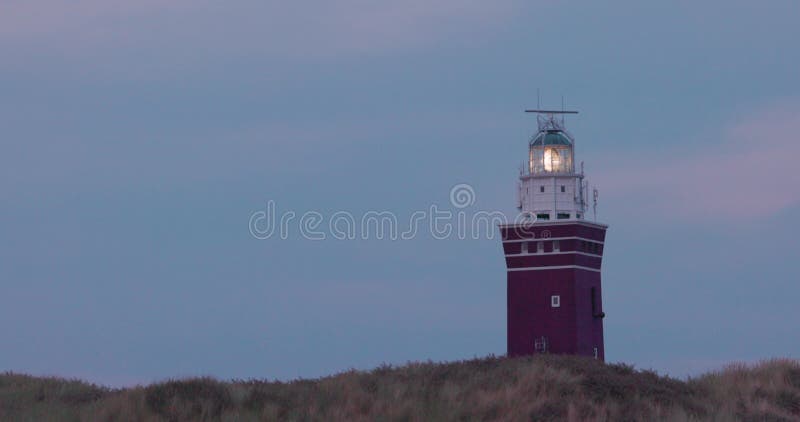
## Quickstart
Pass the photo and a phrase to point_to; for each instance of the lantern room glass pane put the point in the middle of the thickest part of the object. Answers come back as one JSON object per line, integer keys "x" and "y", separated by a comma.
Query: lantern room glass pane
{"x": 551, "y": 159}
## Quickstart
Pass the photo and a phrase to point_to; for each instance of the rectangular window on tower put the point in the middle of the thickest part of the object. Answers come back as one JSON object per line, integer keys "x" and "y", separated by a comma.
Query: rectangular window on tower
{"x": 556, "y": 246}
{"x": 524, "y": 247}
{"x": 540, "y": 247}
{"x": 543, "y": 216}
{"x": 555, "y": 301}
{"x": 563, "y": 216}
{"x": 541, "y": 189}
{"x": 563, "y": 188}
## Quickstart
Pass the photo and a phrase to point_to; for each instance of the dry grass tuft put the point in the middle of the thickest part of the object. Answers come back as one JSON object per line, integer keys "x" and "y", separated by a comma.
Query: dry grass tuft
{"x": 766, "y": 391}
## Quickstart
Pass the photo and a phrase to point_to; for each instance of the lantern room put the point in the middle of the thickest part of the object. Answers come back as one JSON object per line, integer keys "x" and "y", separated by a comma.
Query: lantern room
{"x": 551, "y": 151}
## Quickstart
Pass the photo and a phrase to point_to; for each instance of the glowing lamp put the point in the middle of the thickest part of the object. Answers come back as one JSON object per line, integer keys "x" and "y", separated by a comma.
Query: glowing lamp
{"x": 552, "y": 161}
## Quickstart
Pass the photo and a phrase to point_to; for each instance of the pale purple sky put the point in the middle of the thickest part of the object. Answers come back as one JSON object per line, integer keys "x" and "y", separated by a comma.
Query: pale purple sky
{"x": 139, "y": 137}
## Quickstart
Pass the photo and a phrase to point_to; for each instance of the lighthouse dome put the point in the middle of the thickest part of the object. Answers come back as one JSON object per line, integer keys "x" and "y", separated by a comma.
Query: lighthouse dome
{"x": 550, "y": 137}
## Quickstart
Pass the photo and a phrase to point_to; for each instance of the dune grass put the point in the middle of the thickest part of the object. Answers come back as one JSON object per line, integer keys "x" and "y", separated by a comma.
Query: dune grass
{"x": 537, "y": 388}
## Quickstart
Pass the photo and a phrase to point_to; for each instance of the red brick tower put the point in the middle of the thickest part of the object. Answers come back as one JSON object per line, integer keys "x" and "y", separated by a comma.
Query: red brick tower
{"x": 554, "y": 255}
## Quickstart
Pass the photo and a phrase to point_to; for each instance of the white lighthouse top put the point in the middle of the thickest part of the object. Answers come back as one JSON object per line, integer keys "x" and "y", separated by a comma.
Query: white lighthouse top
{"x": 550, "y": 188}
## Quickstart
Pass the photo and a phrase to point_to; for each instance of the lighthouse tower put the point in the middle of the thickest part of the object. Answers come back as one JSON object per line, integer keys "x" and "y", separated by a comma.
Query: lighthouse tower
{"x": 554, "y": 254}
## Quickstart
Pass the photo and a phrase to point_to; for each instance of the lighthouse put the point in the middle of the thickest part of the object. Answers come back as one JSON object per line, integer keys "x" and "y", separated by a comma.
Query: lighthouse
{"x": 554, "y": 251}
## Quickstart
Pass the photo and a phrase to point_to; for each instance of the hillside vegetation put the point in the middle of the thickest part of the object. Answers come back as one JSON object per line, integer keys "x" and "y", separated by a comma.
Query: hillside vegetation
{"x": 537, "y": 388}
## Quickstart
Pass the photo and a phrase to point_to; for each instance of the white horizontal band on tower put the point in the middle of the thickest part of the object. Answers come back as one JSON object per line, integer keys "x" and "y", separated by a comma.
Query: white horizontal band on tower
{"x": 552, "y": 253}
{"x": 557, "y": 267}
{"x": 539, "y": 239}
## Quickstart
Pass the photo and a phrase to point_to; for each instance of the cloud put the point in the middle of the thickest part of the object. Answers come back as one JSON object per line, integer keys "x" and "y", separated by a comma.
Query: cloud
{"x": 39, "y": 162}
{"x": 748, "y": 172}
{"x": 305, "y": 28}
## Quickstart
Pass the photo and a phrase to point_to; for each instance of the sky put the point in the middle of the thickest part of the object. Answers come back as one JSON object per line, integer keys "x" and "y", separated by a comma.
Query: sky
{"x": 138, "y": 140}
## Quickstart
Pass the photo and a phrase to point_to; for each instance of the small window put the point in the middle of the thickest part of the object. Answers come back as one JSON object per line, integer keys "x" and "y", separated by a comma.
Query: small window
{"x": 563, "y": 216}
{"x": 555, "y": 301}
{"x": 556, "y": 246}
{"x": 577, "y": 216}
{"x": 540, "y": 247}
{"x": 541, "y": 188}
{"x": 563, "y": 189}
{"x": 596, "y": 354}
{"x": 524, "y": 248}
{"x": 543, "y": 216}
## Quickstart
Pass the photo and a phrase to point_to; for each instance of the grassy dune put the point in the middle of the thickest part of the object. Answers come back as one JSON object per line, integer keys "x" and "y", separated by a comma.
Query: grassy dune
{"x": 537, "y": 388}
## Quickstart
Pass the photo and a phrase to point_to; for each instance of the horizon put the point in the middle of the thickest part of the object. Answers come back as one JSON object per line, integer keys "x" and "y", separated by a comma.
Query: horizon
{"x": 140, "y": 140}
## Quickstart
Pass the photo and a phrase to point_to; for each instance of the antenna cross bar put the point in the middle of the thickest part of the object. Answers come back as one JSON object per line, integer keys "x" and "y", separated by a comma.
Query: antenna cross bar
{"x": 552, "y": 111}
